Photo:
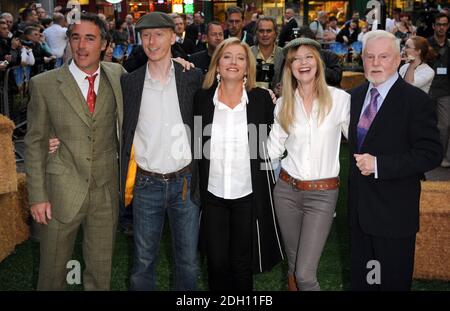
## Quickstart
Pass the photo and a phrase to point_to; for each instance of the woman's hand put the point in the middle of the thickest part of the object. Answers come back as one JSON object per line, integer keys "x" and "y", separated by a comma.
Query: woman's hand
{"x": 186, "y": 65}
{"x": 53, "y": 145}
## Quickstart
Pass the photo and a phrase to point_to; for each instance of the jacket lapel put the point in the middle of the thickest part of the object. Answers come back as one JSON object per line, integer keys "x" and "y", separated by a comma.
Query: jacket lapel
{"x": 357, "y": 104}
{"x": 72, "y": 93}
{"x": 181, "y": 86}
{"x": 114, "y": 81}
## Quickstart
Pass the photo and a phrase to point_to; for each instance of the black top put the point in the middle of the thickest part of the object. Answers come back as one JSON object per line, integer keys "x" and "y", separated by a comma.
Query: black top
{"x": 266, "y": 243}
{"x": 201, "y": 60}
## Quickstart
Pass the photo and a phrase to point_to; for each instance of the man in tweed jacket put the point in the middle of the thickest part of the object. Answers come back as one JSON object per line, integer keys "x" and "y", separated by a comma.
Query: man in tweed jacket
{"x": 78, "y": 184}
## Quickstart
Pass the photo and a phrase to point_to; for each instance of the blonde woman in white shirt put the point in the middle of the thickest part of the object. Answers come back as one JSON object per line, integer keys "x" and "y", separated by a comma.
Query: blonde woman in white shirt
{"x": 416, "y": 71}
{"x": 309, "y": 119}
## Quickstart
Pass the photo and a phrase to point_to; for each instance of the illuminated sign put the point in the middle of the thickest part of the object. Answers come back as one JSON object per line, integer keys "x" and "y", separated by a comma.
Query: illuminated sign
{"x": 189, "y": 8}
{"x": 188, "y": 1}
{"x": 177, "y": 8}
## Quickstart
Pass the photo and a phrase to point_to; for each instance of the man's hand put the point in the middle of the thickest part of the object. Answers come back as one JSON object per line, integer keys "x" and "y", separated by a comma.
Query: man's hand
{"x": 186, "y": 65}
{"x": 8, "y": 58}
{"x": 41, "y": 212}
{"x": 274, "y": 97}
{"x": 53, "y": 145}
{"x": 366, "y": 163}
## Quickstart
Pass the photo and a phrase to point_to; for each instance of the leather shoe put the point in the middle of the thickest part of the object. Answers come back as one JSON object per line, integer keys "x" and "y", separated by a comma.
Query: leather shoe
{"x": 292, "y": 284}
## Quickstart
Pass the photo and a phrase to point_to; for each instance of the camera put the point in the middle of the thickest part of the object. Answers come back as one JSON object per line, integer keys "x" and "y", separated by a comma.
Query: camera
{"x": 295, "y": 33}
{"x": 27, "y": 43}
{"x": 264, "y": 72}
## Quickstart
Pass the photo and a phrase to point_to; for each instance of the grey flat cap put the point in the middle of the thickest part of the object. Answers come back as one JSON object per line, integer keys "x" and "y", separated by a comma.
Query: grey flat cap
{"x": 301, "y": 41}
{"x": 155, "y": 20}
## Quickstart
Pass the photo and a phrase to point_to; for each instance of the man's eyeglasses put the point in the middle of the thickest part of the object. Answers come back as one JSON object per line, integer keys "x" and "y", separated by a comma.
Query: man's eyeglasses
{"x": 441, "y": 24}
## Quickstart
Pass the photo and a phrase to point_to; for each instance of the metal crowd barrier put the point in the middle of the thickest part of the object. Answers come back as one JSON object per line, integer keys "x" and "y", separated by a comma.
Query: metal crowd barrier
{"x": 13, "y": 104}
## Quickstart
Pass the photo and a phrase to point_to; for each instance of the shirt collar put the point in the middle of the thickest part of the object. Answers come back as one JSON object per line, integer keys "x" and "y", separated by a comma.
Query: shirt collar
{"x": 148, "y": 75}
{"x": 261, "y": 56}
{"x": 222, "y": 106}
{"x": 384, "y": 87}
{"x": 80, "y": 75}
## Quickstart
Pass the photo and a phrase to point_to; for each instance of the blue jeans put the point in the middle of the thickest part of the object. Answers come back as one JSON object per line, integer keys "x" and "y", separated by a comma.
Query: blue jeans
{"x": 153, "y": 197}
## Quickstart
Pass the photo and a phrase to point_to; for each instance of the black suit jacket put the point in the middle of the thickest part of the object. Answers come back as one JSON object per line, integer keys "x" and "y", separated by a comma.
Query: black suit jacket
{"x": 266, "y": 244}
{"x": 188, "y": 82}
{"x": 287, "y": 33}
{"x": 405, "y": 139}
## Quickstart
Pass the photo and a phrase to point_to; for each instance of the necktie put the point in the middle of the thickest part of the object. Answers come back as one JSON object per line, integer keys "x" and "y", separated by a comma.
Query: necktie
{"x": 131, "y": 34}
{"x": 367, "y": 117}
{"x": 91, "y": 96}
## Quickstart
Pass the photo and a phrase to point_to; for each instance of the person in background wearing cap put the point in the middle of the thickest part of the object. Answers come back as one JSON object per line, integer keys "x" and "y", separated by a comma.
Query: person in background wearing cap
{"x": 238, "y": 229}
{"x": 309, "y": 119}
{"x": 81, "y": 104}
{"x": 157, "y": 167}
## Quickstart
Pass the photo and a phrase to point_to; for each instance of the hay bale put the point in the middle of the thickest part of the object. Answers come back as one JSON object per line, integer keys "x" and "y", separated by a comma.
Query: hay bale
{"x": 23, "y": 217}
{"x": 432, "y": 257}
{"x": 8, "y": 210}
{"x": 14, "y": 228}
{"x": 8, "y": 181}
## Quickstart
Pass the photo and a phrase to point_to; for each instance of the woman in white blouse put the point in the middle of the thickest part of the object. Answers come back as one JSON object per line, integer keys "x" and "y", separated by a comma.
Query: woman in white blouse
{"x": 309, "y": 119}
{"x": 238, "y": 229}
{"x": 416, "y": 71}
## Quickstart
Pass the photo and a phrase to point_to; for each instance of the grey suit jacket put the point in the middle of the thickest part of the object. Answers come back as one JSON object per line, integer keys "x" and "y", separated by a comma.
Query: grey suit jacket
{"x": 187, "y": 82}
{"x": 278, "y": 64}
{"x": 57, "y": 109}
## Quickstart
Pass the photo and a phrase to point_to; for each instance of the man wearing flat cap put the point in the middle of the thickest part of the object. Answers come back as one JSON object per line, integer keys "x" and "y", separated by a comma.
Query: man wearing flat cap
{"x": 157, "y": 164}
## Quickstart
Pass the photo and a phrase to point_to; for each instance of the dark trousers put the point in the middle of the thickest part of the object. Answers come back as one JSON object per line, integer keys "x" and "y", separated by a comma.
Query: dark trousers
{"x": 394, "y": 255}
{"x": 228, "y": 231}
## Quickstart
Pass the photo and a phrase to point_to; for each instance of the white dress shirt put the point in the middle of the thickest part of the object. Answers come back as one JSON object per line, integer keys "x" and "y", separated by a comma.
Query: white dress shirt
{"x": 80, "y": 78}
{"x": 423, "y": 76}
{"x": 312, "y": 149}
{"x": 229, "y": 169}
{"x": 55, "y": 36}
{"x": 161, "y": 142}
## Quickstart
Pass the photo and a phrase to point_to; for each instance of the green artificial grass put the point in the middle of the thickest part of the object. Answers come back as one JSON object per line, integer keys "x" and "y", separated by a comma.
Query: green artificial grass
{"x": 20, "y": 270}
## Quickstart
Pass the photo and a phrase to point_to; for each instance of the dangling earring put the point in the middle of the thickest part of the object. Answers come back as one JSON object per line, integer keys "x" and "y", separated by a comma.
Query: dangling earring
{"x": 218, "y": 78}
{"x": 245, "y": 81}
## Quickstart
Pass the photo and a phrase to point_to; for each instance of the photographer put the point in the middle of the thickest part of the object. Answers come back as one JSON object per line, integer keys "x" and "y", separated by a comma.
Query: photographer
{"x": 9, "y": 48}
{"x": 269, "y": 56}
{"x": 32, "y": 39}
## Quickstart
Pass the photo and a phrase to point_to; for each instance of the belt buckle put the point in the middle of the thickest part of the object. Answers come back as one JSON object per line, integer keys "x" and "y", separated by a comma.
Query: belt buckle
{"x": 165, "y": 177}
{"x": 293, "y": 183}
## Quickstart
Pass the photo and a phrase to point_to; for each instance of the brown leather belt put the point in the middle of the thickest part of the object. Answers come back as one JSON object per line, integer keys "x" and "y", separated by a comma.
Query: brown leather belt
{"x": 167, "y": 176}
{"x": 310, "y": 185}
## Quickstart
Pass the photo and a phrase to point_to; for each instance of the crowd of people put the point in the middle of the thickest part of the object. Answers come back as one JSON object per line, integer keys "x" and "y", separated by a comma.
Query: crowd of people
{"x": 200, "y": 117}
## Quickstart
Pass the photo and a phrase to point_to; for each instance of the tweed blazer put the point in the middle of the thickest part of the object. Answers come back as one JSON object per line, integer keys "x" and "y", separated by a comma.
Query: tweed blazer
{"x": 57, "y": 109}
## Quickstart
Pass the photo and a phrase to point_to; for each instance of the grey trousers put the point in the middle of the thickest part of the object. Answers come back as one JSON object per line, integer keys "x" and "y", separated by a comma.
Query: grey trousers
{"x": 305, "y": 219}
{"x": 443, "y": 116}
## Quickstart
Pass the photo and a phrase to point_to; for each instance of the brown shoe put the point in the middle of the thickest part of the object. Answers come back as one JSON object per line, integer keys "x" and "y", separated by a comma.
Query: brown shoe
{"x": 292, "y": 284}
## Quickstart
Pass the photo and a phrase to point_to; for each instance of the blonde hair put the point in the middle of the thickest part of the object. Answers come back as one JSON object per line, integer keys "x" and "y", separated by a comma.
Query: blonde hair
{"x": 210, "y": 77}
{"x": 287, "y": 112}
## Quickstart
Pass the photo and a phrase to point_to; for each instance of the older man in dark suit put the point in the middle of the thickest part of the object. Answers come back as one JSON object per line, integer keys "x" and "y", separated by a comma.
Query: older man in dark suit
{"x": 158, "y": 162}
{"x": 393, "y": 140}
